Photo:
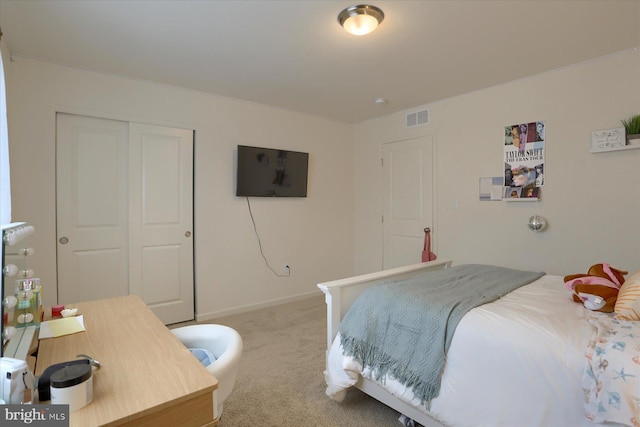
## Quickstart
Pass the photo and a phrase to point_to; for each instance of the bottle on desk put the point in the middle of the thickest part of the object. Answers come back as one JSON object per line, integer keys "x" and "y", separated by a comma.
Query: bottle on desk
{"x": 28, "y": 308}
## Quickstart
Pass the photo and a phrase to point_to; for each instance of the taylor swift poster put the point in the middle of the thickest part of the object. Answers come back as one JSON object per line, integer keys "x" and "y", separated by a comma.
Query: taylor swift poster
{"x": 524, "y": 155}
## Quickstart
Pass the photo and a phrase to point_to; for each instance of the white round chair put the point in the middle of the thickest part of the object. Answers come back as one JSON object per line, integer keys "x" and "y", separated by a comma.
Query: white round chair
{"x": 225, "y": 344}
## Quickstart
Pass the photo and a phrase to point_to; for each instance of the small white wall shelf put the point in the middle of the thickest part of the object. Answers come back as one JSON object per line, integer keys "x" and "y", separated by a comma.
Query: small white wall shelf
{"x": 603, "y": 141}
{"x": 625, "y": 147}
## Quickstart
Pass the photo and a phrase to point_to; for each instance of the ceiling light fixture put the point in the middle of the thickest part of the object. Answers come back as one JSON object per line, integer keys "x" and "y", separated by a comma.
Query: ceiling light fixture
{"x": 360, "y": 19}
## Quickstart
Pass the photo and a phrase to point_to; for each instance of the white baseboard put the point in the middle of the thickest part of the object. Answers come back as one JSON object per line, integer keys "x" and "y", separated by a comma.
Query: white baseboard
{"x": 203, "y": 317}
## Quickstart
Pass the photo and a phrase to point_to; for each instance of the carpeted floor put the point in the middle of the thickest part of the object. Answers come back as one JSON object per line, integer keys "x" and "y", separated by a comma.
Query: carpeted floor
{"x": 280, "y": 380}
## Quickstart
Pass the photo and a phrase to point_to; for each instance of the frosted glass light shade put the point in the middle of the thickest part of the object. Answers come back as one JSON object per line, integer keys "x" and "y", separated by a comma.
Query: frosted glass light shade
{"x": 361, "y": 19}
{"x": 360, "y": 25}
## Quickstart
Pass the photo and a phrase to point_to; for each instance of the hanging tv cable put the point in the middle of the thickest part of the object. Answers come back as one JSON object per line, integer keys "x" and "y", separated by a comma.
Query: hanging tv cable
{"x": 255, "y": 229}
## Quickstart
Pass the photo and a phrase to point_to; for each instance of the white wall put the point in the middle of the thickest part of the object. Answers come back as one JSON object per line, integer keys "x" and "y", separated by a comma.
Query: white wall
{"x": 591, "y": 201}
{"x": 313, "y": 235}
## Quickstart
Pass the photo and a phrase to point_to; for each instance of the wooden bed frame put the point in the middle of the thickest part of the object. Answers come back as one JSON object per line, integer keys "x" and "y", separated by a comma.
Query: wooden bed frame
{"x": 341, "y": 294}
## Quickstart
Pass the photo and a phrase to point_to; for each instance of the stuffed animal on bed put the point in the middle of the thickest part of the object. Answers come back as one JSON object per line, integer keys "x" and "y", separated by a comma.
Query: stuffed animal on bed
{"x": 598, "y": 289}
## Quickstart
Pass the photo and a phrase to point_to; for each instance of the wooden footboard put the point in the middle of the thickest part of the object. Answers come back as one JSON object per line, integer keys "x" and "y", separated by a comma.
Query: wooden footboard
{"x": 341, "y": 294}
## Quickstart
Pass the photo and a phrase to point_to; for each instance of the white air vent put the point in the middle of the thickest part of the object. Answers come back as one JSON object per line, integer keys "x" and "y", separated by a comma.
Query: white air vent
{"x": 418, "y": 118}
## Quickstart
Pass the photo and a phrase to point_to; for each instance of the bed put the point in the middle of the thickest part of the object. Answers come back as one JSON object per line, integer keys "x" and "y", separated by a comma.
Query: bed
{"x": 532, "y": 357}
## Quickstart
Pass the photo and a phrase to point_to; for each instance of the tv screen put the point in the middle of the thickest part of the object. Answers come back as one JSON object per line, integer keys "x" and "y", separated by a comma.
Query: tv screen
{"x": 269, "y": 172}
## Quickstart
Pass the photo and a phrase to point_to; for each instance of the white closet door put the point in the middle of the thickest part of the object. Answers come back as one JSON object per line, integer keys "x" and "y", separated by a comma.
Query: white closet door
{"x": 124, "y": 214}
{"x": 92, "y": 208}
{"x": 408, "y": 199}
{"x": 161, "y": 219}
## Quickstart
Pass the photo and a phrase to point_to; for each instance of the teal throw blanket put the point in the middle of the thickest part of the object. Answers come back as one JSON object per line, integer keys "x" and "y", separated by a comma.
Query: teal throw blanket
{"x": 404, "y": 327}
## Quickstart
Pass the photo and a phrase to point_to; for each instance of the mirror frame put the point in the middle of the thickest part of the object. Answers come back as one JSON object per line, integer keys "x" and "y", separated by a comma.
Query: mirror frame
{"x": 7, "y": 235}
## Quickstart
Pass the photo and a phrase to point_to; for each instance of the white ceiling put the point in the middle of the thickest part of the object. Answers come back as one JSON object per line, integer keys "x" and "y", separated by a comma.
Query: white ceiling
{"x": 294, "y": 55}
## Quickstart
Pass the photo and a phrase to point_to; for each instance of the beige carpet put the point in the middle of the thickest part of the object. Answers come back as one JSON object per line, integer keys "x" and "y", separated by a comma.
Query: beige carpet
{"x": 280, "y": 380}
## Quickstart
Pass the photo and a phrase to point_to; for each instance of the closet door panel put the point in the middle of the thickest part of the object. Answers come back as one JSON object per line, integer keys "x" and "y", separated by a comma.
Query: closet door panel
{"x": 92, "y": 208}
{"x": 161, "y": 219}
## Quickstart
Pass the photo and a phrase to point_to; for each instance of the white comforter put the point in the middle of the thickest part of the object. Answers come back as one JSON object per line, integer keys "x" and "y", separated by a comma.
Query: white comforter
{"x": 515, "y": 362}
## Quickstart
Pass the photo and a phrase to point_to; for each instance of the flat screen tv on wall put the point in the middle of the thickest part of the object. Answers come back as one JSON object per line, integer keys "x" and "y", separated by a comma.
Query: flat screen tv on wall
{"x": 269, "y": 172}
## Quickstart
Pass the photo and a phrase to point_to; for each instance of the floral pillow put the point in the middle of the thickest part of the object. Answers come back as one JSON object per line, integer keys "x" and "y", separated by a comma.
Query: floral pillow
{"x": 628, "y": 302}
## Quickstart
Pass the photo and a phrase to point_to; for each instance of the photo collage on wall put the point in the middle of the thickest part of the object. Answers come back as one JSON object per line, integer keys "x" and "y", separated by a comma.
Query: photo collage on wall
{"x": 524, "y": 160}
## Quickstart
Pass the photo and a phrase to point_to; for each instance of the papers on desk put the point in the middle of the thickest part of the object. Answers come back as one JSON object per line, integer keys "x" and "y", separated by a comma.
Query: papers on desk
{"x": 60, "y": 327}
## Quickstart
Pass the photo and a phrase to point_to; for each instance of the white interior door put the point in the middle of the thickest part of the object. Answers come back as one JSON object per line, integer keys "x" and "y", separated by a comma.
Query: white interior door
{"x": 161, "y": 219}
{"x": 92, "y": 208}
{"x": 408, "y": 199}
{"x": 124, "y": 213}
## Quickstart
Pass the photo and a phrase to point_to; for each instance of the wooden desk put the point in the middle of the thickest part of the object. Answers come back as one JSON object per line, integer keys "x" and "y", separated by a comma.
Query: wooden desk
{"x": 147, "y": 377}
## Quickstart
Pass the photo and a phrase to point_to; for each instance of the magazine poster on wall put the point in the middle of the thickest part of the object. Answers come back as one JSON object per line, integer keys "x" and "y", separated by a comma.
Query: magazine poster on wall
{"x": 524, "y": 160}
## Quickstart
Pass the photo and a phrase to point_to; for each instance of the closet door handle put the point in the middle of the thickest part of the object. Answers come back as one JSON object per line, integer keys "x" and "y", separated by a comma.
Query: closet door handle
{"x": 187, "y": 234}
{"x": 64, "y": 240}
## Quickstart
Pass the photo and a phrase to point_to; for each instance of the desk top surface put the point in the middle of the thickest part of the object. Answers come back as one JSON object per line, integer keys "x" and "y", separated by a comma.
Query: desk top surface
{"x": 144, "y": 368}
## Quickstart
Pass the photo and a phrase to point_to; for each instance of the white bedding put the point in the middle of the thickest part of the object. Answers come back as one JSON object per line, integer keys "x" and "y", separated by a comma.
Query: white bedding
{"x": 515, "y": 362}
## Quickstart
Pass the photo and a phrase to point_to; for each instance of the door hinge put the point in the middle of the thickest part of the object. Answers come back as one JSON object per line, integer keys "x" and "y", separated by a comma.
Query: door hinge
{"x": 382, "y": 219}
{"x": 382, "y": 162}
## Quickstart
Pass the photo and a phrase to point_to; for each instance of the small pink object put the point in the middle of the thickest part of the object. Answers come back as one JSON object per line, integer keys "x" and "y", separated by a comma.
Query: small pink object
{"x": 56, "y": 310}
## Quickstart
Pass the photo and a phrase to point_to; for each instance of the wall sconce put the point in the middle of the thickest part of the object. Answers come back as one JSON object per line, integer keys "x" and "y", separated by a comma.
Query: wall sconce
{"x": 537, "y": 223}
{"x": 360, "y": 19}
